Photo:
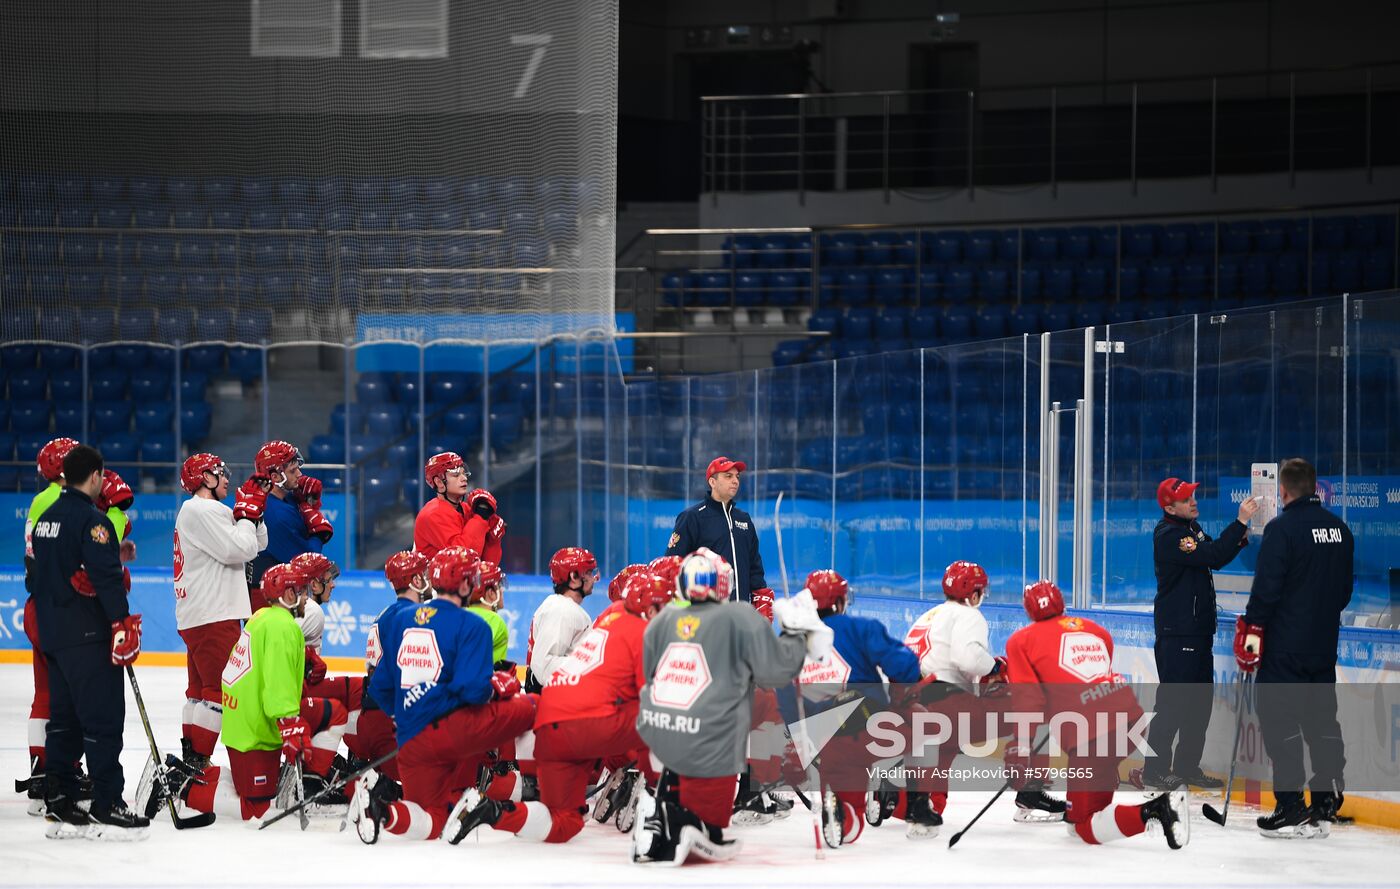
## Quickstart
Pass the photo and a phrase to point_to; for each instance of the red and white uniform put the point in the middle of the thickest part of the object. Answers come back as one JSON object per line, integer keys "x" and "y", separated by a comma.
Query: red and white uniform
{"x": 557, "y": 625}
{"x": 587, "y": 713}
{"x": 211, "y": 597}
{"x": 1065, "y": 655}
{"x": 441, "y": 524}
{"x": 951, "y": 642}
{"x": 613, "y": 608}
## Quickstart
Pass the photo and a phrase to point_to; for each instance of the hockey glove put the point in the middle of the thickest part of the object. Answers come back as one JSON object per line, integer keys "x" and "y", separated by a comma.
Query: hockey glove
{"x": 798, "y": 616}
{"x": 505, "y": 665}
{"x": 504, "y": 686}
{"x": 1249, "y": 644}
{"x": 126, "y": 640}
{"x": 996, "y": 675}
{"x": 127, "y": 552}
{"x": 316, "y": 524}
{"x": 482, "y": 503}
{"x": 495, "y": 528}
{"x": 310, "y": 491}
{"x": 82, "y": 583}
{"x": 115, "y": 492}
{"x": 763, "y": 602}
{"x": 249, "y": 502}
{"x": 296, "y": 737}
{"x": 315, "y": 667}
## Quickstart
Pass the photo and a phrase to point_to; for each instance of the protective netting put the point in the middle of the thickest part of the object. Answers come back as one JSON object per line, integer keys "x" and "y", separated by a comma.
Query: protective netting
{"x": 280, "y": 170}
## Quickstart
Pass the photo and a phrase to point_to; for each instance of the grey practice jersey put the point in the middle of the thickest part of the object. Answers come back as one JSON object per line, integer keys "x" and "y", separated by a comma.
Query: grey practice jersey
{"x": 702, "y": 664}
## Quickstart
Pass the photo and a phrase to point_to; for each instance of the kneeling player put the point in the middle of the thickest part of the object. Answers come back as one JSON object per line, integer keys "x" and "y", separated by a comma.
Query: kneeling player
{"x": 1034, "y": 656}
{"x": 587, "y": 715}
{"x": 449, "y": 706}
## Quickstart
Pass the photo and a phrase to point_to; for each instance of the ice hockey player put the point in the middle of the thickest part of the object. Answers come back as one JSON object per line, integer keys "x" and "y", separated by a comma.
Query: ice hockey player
{"x": 443, "y": 521}
{"x": 486, "y": 600}
{"x": 666, "y": 567}
{"x": 262, "y": 722}
{"x": 952, "y": 642}
{"x": 330, "y": 704}
{"x": 449, "y": 706}
{"x": 213, "y": 545}
{"x": 587, "y": 714}
{"x": 407, "y": 573}
{"x": 702, "y": 664}
{"x": 1036, "y": 655}
{"x": 615, "y": 590}
{"x": 862, "y": 650}
{"x": 293, "y": 517}
{"x": 560, "y": 620}
{"x": 88, "y": 635}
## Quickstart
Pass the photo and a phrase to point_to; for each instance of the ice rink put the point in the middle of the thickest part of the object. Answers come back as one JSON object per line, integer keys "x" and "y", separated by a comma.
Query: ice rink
{"x": 998, "y": 852}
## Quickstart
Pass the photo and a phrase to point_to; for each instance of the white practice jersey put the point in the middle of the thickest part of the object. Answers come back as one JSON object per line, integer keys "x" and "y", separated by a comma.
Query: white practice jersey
{"x": 951, "y": 642}
{"x": 312, "y": 623}
{"x": 557, "y": 625}
{"x": 210, "y": 551}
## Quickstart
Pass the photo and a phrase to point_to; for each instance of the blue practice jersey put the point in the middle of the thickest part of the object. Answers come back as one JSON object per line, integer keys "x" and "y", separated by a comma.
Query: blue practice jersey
{"x": 286, "y": 531}
{"x": 437, "y": 658}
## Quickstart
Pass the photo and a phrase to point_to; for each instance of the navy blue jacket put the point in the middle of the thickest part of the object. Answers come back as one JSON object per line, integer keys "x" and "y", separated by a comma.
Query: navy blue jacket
{"x": 1303, "y": 580}
{"x": 70, "y": 535}
{"x": 1183, "y": 556}
{"x": 710, "y": 524}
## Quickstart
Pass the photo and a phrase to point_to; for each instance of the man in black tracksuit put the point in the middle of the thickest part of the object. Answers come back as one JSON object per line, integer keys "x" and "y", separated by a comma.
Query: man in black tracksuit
{"x": 1183, "y": 615}
{"x": 1302, "y": 583}
{"x": 716, "y": 523}
{"x": 87, "y": 633}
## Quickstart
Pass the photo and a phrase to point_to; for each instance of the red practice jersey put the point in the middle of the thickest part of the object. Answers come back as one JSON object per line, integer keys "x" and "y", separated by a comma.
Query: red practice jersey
{"x": 601, "y": 675}
{"x": 613, "y": 608}
{"x": 441, "y": 524}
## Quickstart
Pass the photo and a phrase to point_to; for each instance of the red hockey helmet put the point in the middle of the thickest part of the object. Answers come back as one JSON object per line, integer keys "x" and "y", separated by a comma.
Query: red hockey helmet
{"x": 704, "y": 575}
{"x": 828, "y": 588}
{"x": 669, "y": 567}
{"x": 193, "y": 469}
{"x": 274, "y": 457}
{"x": 452, "y": 567}
{"x": 616, "y": 584}
{"x": 402, "y": 567}
{"x": 316, "y": 566}
{"x": 1043, "y": 600}
{"x": 962, "y": 580}
{"x": 50, "y": 459}
{"x": 279, "y": 580}
{"x": 571, "y": 560}
{"x": 439, "y": 464}
{"x": 642, "y": 590}
{"x": 493, "y": 585}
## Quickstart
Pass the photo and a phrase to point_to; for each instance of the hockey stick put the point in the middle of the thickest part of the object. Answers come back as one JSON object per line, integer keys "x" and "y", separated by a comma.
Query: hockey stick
{"x": 204, "y": 819}
{"x": 1208, "y": 810}
{"x": 328, "y": 789}
{"x": 796, "y": 683}
{"x": 953, "y": 841}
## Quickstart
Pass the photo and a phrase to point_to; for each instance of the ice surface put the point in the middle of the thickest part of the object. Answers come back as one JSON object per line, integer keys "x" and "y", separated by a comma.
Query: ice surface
{"x": 997, "y": 852}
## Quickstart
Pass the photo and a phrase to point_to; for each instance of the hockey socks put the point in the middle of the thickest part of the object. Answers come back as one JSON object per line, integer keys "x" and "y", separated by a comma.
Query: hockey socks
{"x": 1115, "y": 823}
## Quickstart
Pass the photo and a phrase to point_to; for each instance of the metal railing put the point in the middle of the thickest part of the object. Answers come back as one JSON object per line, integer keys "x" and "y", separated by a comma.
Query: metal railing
{"x": 891, "y": 140}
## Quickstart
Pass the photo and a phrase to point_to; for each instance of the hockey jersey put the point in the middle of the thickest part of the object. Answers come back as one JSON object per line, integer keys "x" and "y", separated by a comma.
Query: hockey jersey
{"x": 41, "y": 502}
{"x": 374, "y": 642}
{"x": 262, "y": 680}
{"x": 601, "y": 675}
{"x": 442, "y": 523}
{"x": 211, "y": 551}
{"x": 500, "y": 633}
{"x": 861, "y": 650}
{"x": 312, "y": 623}
{"x": 556, "y": 626}
{"x": 287, "y": 537}
{"x": 951, "y": 642}
{"x": 442, "y": 662}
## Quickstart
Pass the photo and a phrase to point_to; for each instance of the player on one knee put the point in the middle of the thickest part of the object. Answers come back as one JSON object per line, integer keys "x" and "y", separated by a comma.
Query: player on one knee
{"x": 213, "y": 544}
{"x": 330, "y": 704}
{"x": 702, "y": 664}
{"x": 560, "y": 620}
{"x": 449, "y": 706}
{"x": 615, "y": 588}
{"x": 455, "y": 517}
{"x": 1036, "y": 656}
{"x": 862, "y": 650}
{"x": 587, "y": 714}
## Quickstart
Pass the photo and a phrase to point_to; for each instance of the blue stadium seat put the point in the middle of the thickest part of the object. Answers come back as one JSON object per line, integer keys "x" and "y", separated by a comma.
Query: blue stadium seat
{"x": 38, "y": 215}
{"x": 859, "y": 324}
{"x": 384, "y": 421}
{"x": 1330, "y": 232}
{"x": 750, "y": 288}
{"x": 1025, "y": 318}
{"x": 187, "y": 216}
{"x": 1176, "y": 239}
{"x": 154, "y": 418}
{"x": 1091, "y": 279}
{"x": 891, "y": 286}
{"x": 945, "y": 246}
{"x": 149, "y": 386}
{"x": 326, "y": 449}
{"x": 39, "y": 249}
{"x": 1058, "y": 282}
{"x": 1087, "y": 315}
{"x": 28, "y": 444}
{"x": 930, "y": 285}
{"x": 1032, "y": 279}
{"x": 1008, "y": 245}
{"x": 1255, "y": 272}
{"x": 1077, "y": 243}
{"x": 956, "y": 326}
{"x": 1270, "y": 238}
{"x": 854, "y": 287}
{"x": 957, "y": 284}
{"x": 1107, "y": 241}
{"x": 341, "y": 414}
{"x": 7, "y": 446}
{"x": 1346, "y": 271}
{"x": 713, "y": 289}
{"x": 892, "y": 323}
{"x": 923, "y": 325}
{"x": 29, "y": 416}
{"x": 1235, "y": 237}
{"x": 29, "y": 385}
{"x": 990, "y": 322}
{"x": 80, "y": 250}
{"x": 789, "y": 352}
{"x": 1194, "y": 278}
{"x": 253, "y": 325}
{"x": 1055, "y": 318}
{"x": 1160, "y": 280}
{"x": 789, "y": 288}
{"x": 54, "y": 357}
{"x": 1139, "y": 241}
{"x": 994, "y": 283}
{"x": 1203, "y": 239}
{"x": 507, "y": 422}
{"x": 448, "y": 387}
{"x": 1288, "y": 274}
{"x": 246, "y": 363}
{"x": 979, "y": 246}
{"x": 151, "y": 215}
{"x": 182, "y": 188}
{"x": 1044, "y": 245}
{"x": 108, "y": 385}
{"x": 195, "y": 420}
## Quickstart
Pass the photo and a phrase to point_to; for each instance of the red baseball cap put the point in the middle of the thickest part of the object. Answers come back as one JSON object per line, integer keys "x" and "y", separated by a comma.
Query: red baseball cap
{"x": 1174, "y": 490}
{"x": 723, "y": 464}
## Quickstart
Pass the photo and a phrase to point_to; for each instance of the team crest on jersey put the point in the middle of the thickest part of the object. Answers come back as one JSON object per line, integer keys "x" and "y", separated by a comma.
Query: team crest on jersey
{"x": 675, "y": 539}
{"x": 99, "y": 534}
{"x": 1186, "y": 544}
{"x": 423, "y": 615}
{"x": 1072, "y": 623}
{"x": 686, "y": 626}
{"x": 609, "y": 619}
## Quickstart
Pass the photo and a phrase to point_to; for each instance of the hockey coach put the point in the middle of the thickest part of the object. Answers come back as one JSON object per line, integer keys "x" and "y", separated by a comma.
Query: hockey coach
{"x": 717, "y": 524}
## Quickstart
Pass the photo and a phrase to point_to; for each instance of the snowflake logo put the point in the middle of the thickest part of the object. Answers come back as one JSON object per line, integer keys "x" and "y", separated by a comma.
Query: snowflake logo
{"x": 340, "y": 623}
